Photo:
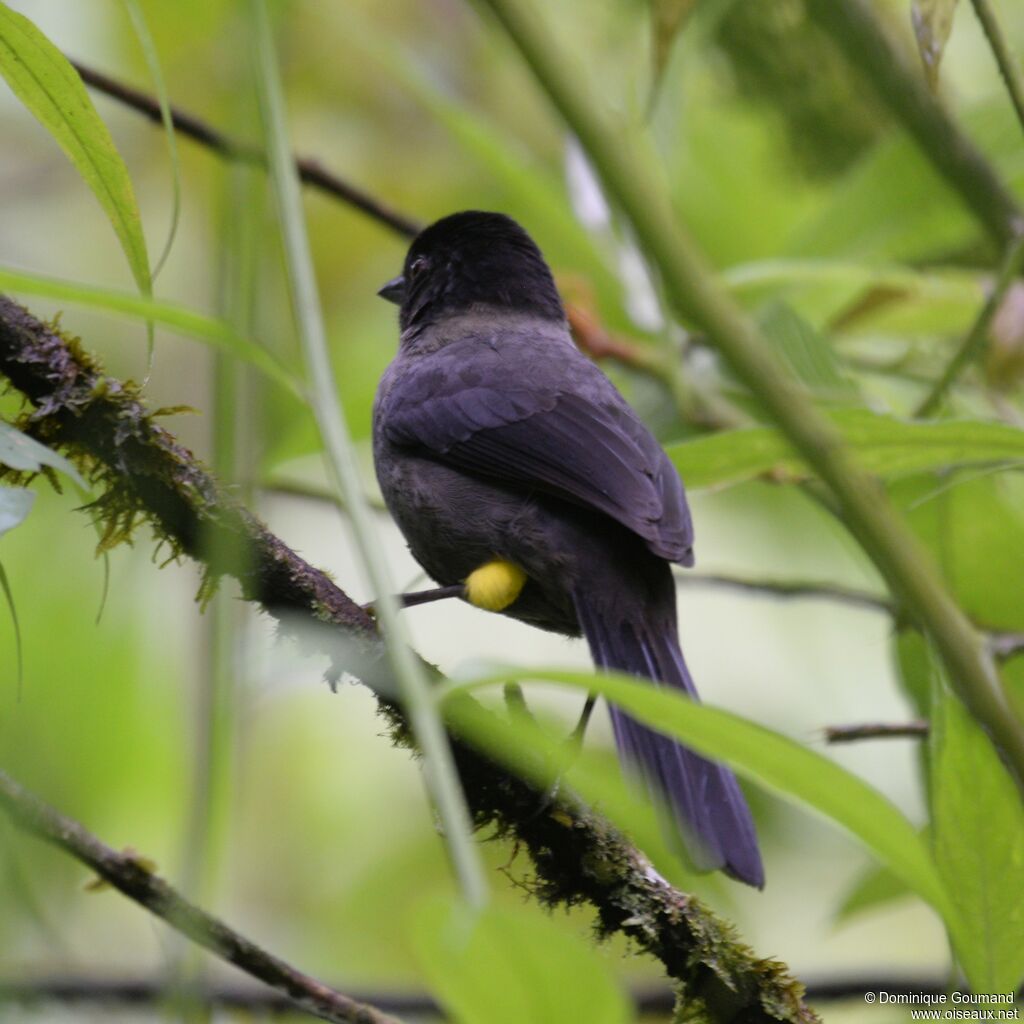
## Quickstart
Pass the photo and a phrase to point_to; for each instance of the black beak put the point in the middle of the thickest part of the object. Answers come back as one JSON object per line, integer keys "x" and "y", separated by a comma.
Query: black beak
{"x": 394, "y": 290}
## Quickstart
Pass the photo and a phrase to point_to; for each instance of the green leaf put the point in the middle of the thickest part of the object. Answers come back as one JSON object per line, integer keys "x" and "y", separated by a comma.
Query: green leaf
{"x": 973, "y": 524}
{"x": 509, "y": 965}
{"x": 855, "y": 297}
{"x": 914, "y": 664}
{"x": 178, "y": 318}
{"x": 978, "y": 842}
{"x": 15, "y": 504}
{"x": 884, "y": 445}
{"x": 807, "y": 352}
{"x": 19, "y": 451}
{"x": 41, "y": 77}
{"x": 768, "y": 759}
{"x": 933, "y": 23}
{"x": 540, "y": 755}
{"x": 874, "y": 888}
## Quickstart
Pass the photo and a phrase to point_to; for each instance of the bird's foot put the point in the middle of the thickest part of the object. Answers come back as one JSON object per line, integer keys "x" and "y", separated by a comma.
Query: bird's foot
{"x": 570, "y": 750}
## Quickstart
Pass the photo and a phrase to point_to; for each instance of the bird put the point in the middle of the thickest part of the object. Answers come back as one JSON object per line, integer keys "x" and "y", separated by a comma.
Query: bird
{"x": 524, "y": 483}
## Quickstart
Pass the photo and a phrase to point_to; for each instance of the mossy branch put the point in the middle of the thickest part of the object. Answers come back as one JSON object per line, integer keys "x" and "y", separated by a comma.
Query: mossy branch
{"x": 143, "y": 474}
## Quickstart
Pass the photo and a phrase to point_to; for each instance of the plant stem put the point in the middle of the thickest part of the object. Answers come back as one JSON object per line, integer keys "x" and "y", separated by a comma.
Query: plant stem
{"x": 974, "y": 343}
{"x": 1008, "y": 68}
{"x": 695, "y": 294}
{"x": 439, "y": 766}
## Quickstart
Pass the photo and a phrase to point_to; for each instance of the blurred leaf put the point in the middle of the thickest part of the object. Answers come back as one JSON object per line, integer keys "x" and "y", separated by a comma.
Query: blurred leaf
{"x": 892, "y": 205}
{"x": 974, "y": 527}
{"x": 768, "y": 759}
{"x": 873, "y": 888}
{"x": 883, "y": 444}
{"x": 791, "y": 72}
{"x": 5, "y": 586}
{"x": 185, "y": 321}
{"x": 933, "y": 23}
{"x": 851, "y": 296}
{"x": 15, "y": 504}
{"x": 667, "y": 20}
{"x": 504, "y": 965}
{"x": 978, "y": 841}
{"x": 914, "y": 665}
{"x": 19, "y": 451}
{"x": 41, "y": 77}
{"x": 807, "y": 352}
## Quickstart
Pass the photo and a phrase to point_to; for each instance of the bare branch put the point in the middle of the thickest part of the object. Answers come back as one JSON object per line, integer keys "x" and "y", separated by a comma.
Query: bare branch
{"x": 791, "y": 590}
{"x": 126, "y": 873}
{"x": 149, "y": 992}
{"x": 310, "y": 171}
{"x": 876, "y": 731}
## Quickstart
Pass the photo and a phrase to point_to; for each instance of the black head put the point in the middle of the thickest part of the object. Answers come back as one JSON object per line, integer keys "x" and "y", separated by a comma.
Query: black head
{"x": 472, "y": 258}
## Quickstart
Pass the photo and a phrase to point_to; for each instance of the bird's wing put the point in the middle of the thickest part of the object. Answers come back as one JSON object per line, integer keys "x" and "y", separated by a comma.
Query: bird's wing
{"x": 542, "y": 417}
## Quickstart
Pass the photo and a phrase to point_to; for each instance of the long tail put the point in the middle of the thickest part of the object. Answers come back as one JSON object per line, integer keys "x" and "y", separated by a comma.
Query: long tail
{"x": 708, "y": 809}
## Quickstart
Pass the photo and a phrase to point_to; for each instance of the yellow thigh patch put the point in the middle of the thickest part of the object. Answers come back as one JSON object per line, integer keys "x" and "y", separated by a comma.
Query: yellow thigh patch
{"x": 495, "y": 585}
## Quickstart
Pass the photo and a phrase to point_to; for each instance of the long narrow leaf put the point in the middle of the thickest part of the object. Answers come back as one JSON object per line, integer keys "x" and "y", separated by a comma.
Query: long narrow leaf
{"x": 768, "y": 759}
{"x": 41, "y": 77}
{"x": 884, "y": 445}
{"x": 171, "y": 315}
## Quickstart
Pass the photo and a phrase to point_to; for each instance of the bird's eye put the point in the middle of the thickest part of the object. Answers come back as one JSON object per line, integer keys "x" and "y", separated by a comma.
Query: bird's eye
{"x": 418, "y": 266}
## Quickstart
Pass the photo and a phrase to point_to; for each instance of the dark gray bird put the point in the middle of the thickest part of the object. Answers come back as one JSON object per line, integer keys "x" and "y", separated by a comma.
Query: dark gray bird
{"x": 519, "y": 474}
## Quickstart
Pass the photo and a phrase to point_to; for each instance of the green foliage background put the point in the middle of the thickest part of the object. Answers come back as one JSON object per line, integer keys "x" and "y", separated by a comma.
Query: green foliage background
{"x": 822, "y": 218}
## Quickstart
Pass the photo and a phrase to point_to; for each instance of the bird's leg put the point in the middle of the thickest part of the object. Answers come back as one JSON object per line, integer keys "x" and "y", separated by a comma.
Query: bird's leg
{"x": 433, "y": 594}
{"x": 493, "y": 586}
{"x": 572, "y": 747}
{"x": 421, "y": 597}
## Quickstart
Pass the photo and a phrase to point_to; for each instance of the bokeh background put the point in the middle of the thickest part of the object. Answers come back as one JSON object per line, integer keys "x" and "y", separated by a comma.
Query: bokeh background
{"x": 319, "y": 841}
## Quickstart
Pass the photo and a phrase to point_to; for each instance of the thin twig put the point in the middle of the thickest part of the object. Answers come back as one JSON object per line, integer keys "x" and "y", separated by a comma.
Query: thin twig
{"x": 792, "y": 589}
{"x": 310, "y": 170}
{"x": 1012, "y": 77}
{"x": 973, "y": 346}
{"x": 875, "y": 731}
{"x": 128, "y": 875}
{"x": 148, "y": 992}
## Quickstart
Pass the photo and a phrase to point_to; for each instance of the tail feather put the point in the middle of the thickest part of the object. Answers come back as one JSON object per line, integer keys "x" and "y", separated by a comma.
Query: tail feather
{"x": 707, "y": 808}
